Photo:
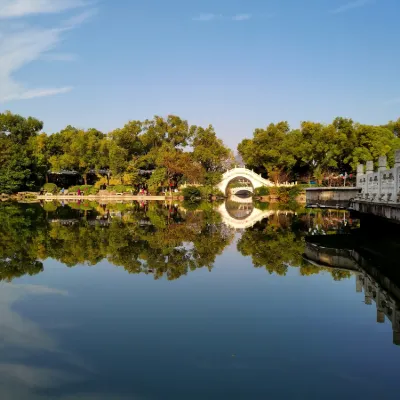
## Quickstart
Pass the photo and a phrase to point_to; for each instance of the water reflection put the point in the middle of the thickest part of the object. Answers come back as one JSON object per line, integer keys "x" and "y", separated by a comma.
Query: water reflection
{"x": 281, "y": 300}
{"x": 377, "y": 286}
{"x": 163, "y": 239}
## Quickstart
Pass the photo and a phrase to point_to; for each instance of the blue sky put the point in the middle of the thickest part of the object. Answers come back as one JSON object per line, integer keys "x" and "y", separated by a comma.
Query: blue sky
{"x": 235, "y": 64}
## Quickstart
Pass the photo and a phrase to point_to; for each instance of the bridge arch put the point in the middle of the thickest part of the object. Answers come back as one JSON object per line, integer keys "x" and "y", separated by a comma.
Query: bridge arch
{"x": 250, "y": 220}
{"x": 255, "y": 179}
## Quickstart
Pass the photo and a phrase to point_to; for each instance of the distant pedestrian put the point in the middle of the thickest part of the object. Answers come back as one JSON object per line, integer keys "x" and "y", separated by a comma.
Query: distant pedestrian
{"x": 79, "y": 192}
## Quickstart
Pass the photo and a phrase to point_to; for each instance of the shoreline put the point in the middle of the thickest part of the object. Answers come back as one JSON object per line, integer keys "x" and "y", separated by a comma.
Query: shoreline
{"x": 112, "y": 197}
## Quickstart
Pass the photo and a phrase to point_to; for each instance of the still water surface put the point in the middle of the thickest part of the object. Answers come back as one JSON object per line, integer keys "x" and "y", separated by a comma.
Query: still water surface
{"x": 160, "y": 301}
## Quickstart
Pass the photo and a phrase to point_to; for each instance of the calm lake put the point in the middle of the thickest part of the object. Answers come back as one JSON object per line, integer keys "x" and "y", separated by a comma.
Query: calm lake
{"x": 193, "y": 301}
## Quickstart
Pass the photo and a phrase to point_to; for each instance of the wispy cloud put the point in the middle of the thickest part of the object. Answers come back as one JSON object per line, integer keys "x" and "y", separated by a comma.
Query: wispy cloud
{"x": 81, "y": 18}
{"x": 241, "y": 17}
{"x": 352, "y": 5}
{"x": 213, "y": 17}
{"x": 21, "y": 8}
{"x": 207, "y": 17}
{"x": 23, "y": 45}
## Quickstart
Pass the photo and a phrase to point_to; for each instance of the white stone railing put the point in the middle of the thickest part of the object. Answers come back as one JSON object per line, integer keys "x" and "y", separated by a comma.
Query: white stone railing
{"x": 251, "y": 175}
{"x": 382, "y": 186}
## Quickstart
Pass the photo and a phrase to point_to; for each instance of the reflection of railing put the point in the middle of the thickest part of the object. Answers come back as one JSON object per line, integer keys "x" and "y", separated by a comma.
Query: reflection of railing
{"x": 369, "y": 279}
{"x": 386, "y": 305}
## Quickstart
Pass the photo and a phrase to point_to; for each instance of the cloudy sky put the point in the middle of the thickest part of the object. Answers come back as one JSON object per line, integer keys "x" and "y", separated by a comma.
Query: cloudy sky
{"x": 237, "y": 64}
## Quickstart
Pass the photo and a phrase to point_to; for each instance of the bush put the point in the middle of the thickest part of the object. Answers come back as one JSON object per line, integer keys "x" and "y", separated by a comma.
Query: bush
{"x": 50, "y": 188}
{"x": 262, "y": 191}
{"x": 73, "y": 189}
{"x": 290, "y": 193}
{"x": 191, "y": 193}
{"x": 207, "y": 191}
{"x": 261, "y": 205}
{"x": 94, "y": 190}
{"x": 119, "y": 188}
{"x": 50, "y": 206}
{"x": 88, "y": 189}
{"x": 85, "y": 188}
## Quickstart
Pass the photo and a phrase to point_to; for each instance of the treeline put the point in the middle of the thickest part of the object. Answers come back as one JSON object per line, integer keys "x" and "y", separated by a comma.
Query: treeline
{"x": 318, "y": 151}
{"x": 169, "y": 148}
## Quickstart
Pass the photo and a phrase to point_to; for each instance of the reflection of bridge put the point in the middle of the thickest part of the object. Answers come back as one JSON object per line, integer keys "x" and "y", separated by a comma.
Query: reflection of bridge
{"x": 236, "y": 190}
{"x": 255, "y": 179}
{"x": 241, "y": 200}
{"x": 255, "y": 216}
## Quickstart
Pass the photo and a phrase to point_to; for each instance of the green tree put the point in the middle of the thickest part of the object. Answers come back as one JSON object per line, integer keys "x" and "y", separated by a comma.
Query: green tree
{"x": 18, "y": 167}
{"x": 208, "y": 150}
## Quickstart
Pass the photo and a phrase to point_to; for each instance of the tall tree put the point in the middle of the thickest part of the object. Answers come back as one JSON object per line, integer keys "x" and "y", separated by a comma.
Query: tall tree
{"x": 18, "y": 164}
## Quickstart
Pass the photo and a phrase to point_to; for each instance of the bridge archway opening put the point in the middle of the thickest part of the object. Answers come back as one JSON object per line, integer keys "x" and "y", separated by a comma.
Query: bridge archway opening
{"x": 237, "y": 209}
{"x": 239, "y": 186}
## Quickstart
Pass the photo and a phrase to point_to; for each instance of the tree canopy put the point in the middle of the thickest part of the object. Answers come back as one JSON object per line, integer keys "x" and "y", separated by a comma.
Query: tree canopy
{"x": 316, "y": 150}
{"x": 170, "y": 147}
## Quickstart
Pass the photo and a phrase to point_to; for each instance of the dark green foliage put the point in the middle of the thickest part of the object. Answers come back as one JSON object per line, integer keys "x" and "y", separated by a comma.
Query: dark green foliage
{"x": 160, "y": 145}
{"x": 191, "y": 193}
{"x": 261, "y": 191}
{"x": 208, "y": 191}
{"x": 19, "y": 167}
{"x": 50, "y": 188}
{"x": 261, "y": 205}
{"x": 317, "y": 151}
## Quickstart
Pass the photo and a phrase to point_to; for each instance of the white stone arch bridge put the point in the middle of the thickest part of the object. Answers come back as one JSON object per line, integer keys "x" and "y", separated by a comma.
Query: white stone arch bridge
{"x": 255, "y": 179}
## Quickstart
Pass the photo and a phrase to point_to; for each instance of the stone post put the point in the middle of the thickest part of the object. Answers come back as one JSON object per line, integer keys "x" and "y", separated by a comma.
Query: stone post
{"x": 397, "y": 159}
{"x": 361, "y": 178}
{"x": 369, "y": 170}
{"x": 370, "y": 167}
{"x": 382, "y": 166}
{"x": 359, "y": 284}
{"x": 382, "y": 163}
{"x": 396, "y": 338}
{"x": 380, "y": 316}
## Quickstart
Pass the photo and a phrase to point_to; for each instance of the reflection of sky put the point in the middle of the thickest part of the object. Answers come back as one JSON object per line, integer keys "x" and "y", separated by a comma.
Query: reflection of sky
{"x": 236, "y": 332}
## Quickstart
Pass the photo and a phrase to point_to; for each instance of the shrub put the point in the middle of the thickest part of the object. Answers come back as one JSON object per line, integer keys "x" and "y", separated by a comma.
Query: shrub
{"x": 73, "y": 189}
{"x": 85, "y": 188}
{"x": 94, "y": 190}
{"x": 50, "y": 206}
{"x": 191, "y": 205}
{"x": 119, "y": 188}
{"x": 261, "y": 191}
{"x": 261, "y": 205}
{"x": 50, "y": 188}
{"x": 207, "y": 191}
{"x": 191, "y": 193}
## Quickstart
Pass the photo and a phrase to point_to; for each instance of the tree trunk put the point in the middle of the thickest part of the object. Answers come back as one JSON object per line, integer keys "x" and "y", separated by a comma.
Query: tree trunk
{"x": 47, "y": 177}
{"x": 85, "y": 178}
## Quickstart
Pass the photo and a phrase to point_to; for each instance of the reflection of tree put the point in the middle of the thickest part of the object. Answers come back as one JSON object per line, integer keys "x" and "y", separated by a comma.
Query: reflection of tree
{"x": 278, "y": 242}
{"x": 271, "y": 247}
{"x": 18, "y": 255}
{"x": 153, "y": 239}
